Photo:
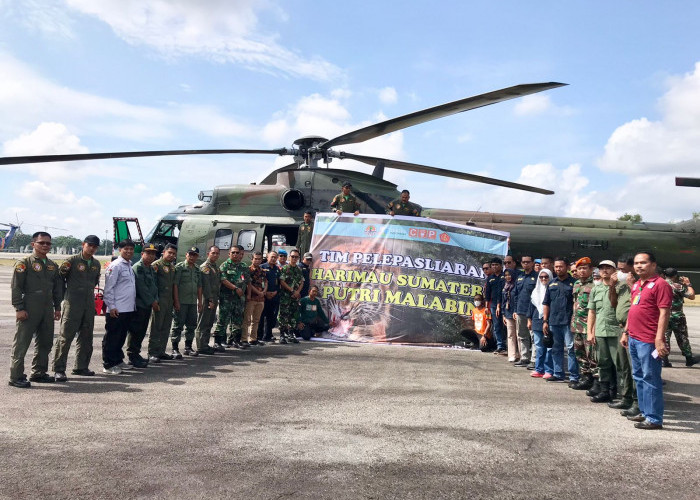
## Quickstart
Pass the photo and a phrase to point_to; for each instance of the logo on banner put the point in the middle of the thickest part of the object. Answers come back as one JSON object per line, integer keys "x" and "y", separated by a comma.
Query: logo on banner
{"x": 445, "y": 238}
{"x": 371, "y": 230}
{"x": 422, "y": 234}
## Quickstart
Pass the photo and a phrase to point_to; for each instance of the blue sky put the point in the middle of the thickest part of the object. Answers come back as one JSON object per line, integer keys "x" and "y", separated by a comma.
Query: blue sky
{"x": 119, "y": 75}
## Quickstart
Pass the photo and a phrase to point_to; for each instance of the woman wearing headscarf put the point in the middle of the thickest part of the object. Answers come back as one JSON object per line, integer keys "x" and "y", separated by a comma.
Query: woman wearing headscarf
{"x": 543, "y": 358}
{"x": 506, "y": 308}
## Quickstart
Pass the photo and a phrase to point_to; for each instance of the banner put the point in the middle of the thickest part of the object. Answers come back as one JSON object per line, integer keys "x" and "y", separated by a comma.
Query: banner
{"x": 399, "y": 279}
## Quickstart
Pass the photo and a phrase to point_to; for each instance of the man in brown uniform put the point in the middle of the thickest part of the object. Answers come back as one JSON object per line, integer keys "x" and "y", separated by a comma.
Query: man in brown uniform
{"x": 81, "y": 273}
{"x": 36, "y": 286}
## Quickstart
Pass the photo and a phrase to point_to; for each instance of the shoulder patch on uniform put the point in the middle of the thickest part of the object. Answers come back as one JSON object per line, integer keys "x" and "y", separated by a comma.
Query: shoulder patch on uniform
{"x": 155, "y": 267}
{"x": 20, "y": 268}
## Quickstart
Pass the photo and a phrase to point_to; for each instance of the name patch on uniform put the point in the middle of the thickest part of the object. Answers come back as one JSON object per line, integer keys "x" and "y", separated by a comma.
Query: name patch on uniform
{"x": 50, "y": 267}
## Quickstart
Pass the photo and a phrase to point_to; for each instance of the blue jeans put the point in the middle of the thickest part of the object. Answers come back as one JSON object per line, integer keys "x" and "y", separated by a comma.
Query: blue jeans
{"x": 646, "y": 372}
{"x": 563, "y": 337}
{"x": 543, "y": 356}
{"x": 497, "y": 322}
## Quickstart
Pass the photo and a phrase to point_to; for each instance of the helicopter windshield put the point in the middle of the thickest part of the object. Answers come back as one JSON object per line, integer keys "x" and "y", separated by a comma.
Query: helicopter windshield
{"x": 166, "y": 231}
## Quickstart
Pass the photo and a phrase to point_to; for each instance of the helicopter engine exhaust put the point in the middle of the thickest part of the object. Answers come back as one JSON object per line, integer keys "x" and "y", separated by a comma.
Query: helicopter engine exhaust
{"x": 292, "y": 199}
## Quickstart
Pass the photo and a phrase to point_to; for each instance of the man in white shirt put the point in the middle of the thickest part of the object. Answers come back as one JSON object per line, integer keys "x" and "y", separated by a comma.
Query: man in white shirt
{"x": 120, "y": 298}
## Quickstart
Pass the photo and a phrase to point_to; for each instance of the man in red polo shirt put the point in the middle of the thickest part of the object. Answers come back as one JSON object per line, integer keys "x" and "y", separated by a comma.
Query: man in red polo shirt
{"x": 644, "y": 335}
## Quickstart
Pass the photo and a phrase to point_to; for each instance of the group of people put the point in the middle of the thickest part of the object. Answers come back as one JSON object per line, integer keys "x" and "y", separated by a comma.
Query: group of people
{"x": 241, "y": 303}
{"x": 612, "y": 324}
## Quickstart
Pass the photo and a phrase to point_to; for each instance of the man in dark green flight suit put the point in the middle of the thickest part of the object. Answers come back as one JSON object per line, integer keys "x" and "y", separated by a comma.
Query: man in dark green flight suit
{"x": 306, "y": 229}
{"x": 211, "y": 282}
{"x": 187, "y": 299}
{"x": 402, "y": 206}
{"x": 146, "y": 304}
{"x": 36, "y": 287}
{"x": 163, "y": 317}
{"x": 81, "y": 273}
{"x": 345, "y": 201}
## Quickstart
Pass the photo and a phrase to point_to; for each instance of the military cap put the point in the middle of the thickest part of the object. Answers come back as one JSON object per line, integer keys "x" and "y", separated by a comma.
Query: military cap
{"x": 92, "y": 240}
{"x": 149, "y": 248}
{"x": 193, "y": 250}
{"x": 606, "y": 263}
{"x": 347, "y": 184}
{"x": 583, "y": 261}
{"x": 282, "y": 252}
{"x": 308, "y": 255}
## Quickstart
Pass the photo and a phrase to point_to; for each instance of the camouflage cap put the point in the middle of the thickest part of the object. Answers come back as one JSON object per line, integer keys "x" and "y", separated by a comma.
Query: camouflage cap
{"x": 149, "y": 248}
{"x": 583, "y": 261}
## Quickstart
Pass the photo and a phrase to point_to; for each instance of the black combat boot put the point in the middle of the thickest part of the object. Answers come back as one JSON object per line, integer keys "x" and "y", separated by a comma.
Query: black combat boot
{"x": 632, "y": 412}
{"x": 603, "y": 395}
{"x": 595, "y": 389}
{"x": 666, "y": 363}
{"x": 690, "y": 361}
{"x": 585, "y": 383}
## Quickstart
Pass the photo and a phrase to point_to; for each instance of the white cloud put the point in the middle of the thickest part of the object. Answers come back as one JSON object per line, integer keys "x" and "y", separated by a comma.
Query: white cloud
{"x": 166, "y": 199}
{"x": 224, "y": 31}
{"x": 388, "y": 95}
{"x": 532, "y": 105}
{"x": 670, "y": 144}
{"x": 47, "y": 17}
{"x": 48, "y": 138}
{"x": 55, "y": 193}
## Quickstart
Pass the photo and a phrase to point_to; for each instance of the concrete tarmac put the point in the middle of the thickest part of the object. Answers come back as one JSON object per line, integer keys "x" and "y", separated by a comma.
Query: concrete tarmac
{"x": 337, "y": 421}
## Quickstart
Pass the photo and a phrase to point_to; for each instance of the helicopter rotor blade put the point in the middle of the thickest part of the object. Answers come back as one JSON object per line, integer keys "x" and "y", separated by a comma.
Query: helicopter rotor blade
{"x": 442, "y": 172}
{"x": 14, "y": 160}
{"x": 688, "y": 181}
{"x": 440, "y": 111}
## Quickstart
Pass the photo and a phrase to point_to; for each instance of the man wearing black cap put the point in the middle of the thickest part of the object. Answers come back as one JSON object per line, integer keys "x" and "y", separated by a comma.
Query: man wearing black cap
{"x": 146, "y": 302}
{"x": 187, "y": 302}
{"x": 80, "y": 273}
{"x": 305, "y": 266}
{"x": 163, "y": 317}
{"x": 345, "y": 201}
{"x": 677, "y": 324}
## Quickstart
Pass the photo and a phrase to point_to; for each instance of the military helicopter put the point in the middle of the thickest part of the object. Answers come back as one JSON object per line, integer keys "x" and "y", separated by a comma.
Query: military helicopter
{"x": 260, "y": 216}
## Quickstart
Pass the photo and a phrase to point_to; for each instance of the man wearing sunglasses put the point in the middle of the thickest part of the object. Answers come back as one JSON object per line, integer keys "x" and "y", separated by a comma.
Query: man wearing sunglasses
{"x": 36, "y": 287}
{"x": 81, "y": 273}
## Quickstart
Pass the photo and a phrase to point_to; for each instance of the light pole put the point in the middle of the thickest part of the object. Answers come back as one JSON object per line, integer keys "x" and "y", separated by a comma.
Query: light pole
{"x": 106, "y": 230}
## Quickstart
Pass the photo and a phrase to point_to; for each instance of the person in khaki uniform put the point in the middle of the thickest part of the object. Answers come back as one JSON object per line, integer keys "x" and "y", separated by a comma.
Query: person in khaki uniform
{"x": 306, "y": 230}
{"x": 81, "y": 273}
{"x": 187, "y": 301}
{"x": 146, "y": 303}
{"x": 402, "y": 206}
{"x": 211, "y": 282}
{"x": 36, "y": 287}
{"x": 345, "y": 201}
{"x": 163, "y": 317}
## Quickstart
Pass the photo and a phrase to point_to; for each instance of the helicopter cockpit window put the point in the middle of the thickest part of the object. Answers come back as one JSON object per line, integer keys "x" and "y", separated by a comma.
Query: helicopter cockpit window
{"x": 223, "y": 238}
{"x": 167, "y": 231}
{"x": 247, "y": 240}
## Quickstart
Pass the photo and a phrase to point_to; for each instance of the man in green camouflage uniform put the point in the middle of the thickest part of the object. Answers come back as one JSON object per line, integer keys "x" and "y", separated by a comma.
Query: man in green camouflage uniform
{"x": 345, "y": 201}
{"x": 291, "y": 283}
{"x": 211, "y": 282}
{"x": 163, "y": 317}
{"x": 306, "y": 229}
{"x": 585, "y": 353}
{"x": 36, "y": 287}
{"x": 234, "y": 280}
{"x": 402, "y": 206}
{"x": 81, "y": 273}
{"x": 187, "y": 302}
{"x": 677, "y": 324}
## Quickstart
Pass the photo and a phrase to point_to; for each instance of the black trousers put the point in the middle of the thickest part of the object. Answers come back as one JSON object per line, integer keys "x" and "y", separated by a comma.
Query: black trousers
{"x": 268, "y": 319}
{"x": 475, "y": 339}
{"x": 113, "y": 341}
{"x": 317, "y": 325}
{"x": 137, "y": 331}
